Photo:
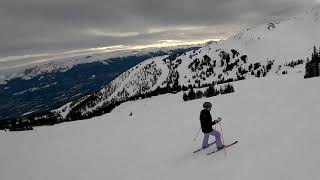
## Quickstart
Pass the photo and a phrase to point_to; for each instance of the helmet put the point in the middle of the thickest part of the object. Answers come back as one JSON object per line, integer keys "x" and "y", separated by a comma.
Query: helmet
{"x": 207, "y": 105}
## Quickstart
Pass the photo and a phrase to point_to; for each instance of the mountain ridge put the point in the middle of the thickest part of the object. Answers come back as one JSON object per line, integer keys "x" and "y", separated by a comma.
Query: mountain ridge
{"x": 270, "y": 49}
{"x": 20, "y": 97}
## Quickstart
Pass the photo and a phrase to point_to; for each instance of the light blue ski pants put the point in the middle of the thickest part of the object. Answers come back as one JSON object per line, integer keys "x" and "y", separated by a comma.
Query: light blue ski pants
{"x": 214, "y": 133}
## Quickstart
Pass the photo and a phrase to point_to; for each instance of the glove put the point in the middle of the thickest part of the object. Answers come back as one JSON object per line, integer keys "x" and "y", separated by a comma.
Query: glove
{"x": 216, "y": 121}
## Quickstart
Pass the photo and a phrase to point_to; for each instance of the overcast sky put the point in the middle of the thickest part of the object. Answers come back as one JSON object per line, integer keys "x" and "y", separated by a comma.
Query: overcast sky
{"x": 49, "y": 26}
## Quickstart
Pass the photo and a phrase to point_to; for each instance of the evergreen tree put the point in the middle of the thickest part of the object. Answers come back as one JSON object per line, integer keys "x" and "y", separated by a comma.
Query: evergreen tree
{"x": 191, "y": 94}
{"x": 184, "y": 88}
{"x": 308, "y": 69}
{"x": 312, "y": 67}
{"x": 264, "y": 74}
{"x": 258, "y": 73}
{"x": 315, "y": 54}
{"x": 185, "y": 97}
{"x": 222, "y": 63}
{"x": 210, "y": 91}
{"x": 227, "y": 89}
{"x": 199, "y": 94}
{"x": 318, "y": 56}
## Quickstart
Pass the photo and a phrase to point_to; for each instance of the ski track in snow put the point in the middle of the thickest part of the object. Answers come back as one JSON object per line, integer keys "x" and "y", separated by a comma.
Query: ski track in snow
{"x": 275, "y": 121}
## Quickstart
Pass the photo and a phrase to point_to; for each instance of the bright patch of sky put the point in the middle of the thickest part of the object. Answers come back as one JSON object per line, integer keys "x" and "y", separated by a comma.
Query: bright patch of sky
{"x": 43, "y": 30}
{"x": 20, "y": 61}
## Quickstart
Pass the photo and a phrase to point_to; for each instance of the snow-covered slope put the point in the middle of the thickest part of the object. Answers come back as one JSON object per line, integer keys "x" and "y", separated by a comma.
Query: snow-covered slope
{"x": 275, "y": 121}
{"x": 271, "y": 49}
{"x": 281, "y": 40}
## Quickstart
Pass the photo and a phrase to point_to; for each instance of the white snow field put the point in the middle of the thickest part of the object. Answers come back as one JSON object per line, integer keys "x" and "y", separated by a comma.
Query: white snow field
{"x": 276, "y": 122}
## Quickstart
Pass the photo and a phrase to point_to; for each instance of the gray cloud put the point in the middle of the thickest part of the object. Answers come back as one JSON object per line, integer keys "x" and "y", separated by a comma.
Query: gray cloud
{"x": 41, "y": 26}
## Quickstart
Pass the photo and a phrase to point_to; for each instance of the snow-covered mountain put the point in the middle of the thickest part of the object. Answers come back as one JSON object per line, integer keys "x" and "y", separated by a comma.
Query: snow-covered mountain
{"x": 44, "y": 64}
{"x": 48, "y": 86}
{"x": 272, "y": 49}
{"x": 280, "y": 40}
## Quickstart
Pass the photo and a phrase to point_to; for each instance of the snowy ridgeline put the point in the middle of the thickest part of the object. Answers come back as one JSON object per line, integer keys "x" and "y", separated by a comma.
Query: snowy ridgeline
{"x": 274, "y": 119}
{"x": 194, "y": 69}
{"x": 272, "y": 49}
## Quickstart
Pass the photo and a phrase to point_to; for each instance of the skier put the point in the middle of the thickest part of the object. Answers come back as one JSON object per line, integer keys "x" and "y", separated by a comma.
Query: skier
{"x": 206, "y": 126}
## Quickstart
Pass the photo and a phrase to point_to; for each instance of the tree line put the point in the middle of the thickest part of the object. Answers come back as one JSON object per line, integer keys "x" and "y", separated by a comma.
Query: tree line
{"x": 313, "y": 66}
{"x": 210, "y": 91}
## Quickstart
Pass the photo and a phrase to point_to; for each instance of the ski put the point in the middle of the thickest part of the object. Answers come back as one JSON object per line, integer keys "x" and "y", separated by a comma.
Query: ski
{"x": 200, "y": 149}
{"x": 223, "y": 148}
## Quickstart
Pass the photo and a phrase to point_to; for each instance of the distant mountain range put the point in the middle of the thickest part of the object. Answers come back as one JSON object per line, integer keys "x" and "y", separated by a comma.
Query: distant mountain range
{"x": 48, "y": 86}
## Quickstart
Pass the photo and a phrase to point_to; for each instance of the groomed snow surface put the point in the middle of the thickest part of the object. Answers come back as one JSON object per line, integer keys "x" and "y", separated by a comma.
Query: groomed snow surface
{"x": 276, "y": 122}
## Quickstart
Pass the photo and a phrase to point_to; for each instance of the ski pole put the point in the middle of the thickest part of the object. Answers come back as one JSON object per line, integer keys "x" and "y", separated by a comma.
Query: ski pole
{"x": 225, "y": 152}
{"x": 196, "y": 135}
